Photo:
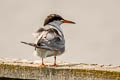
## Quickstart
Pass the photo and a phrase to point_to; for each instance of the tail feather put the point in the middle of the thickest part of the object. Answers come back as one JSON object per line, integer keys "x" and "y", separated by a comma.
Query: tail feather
{"x": 36, "y": 46}
{"x": 31, "y": 44}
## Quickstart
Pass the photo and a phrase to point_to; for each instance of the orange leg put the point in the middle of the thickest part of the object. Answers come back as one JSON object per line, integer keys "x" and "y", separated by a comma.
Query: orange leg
{"x": 54, "y": 61}
{"x": 43, "y": 65}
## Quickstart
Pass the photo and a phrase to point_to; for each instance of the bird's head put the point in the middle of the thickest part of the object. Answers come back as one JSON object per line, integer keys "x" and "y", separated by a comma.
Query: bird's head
{"x": 55, "y": 18}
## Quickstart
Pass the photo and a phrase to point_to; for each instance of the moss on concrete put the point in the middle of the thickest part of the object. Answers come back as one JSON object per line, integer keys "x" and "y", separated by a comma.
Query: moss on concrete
{"x": 61, "y": 72}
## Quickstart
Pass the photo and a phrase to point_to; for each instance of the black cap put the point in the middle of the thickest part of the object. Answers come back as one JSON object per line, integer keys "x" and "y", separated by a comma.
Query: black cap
{"x": 51, "y": 18}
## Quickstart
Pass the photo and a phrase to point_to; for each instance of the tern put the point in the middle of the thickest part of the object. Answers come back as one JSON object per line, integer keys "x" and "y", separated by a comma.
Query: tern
{"x": 50, "y": 38}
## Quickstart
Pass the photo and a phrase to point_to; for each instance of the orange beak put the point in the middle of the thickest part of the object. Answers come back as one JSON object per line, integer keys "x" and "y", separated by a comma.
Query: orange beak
{"x": 67, "y": 21}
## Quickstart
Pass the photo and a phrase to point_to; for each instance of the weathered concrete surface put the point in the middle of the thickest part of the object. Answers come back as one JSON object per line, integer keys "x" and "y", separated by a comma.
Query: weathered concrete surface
{"x": 23, "y": 69}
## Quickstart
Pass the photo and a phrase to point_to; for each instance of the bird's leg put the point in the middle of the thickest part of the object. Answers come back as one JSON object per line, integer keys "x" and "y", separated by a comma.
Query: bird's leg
{"x": 54, "y": 61}
{"x": 43, "y": 65}
{"x": 42, "y": 61}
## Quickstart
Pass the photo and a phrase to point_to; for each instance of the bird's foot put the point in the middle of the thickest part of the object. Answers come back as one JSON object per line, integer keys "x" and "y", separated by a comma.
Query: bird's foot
{"x": 54, "y": 65}
{"x": 43, "y": 65}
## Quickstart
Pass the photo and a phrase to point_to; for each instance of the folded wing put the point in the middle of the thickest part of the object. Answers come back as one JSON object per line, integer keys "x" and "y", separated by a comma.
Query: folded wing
{"x": 50, "y": 38}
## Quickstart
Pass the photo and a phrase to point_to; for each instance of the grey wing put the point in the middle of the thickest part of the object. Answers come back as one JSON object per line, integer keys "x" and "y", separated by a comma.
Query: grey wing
{"x": 51, "y": 39}
{"x": 58, "y": 43}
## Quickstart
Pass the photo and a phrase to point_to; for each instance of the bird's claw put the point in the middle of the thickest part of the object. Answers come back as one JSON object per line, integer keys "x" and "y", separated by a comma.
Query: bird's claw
{"x": 43, "y": 65}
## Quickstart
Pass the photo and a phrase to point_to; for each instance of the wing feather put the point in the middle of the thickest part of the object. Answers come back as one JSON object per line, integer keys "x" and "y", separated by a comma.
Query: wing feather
{"x": 50, "y": 38}
{"x": 37, "y": 33}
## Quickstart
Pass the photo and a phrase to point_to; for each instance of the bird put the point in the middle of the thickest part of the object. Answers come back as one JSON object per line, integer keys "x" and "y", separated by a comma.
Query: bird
{"x": 49, "y": 39}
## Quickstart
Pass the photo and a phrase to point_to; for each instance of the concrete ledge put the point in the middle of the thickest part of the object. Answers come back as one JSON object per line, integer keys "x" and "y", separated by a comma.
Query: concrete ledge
{"x": 23, "y": 69}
